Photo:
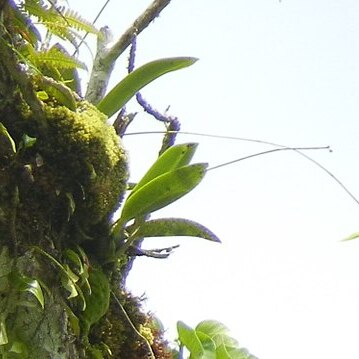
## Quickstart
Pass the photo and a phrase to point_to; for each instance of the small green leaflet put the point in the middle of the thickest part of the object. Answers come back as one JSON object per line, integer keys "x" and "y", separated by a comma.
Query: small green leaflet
{"x": 26, "y": 284}
{"x": 172, "y": 227}
{"x": 174, "y": 157}
{"x": 139, "y": 78}
{"x": 162, "y": 191}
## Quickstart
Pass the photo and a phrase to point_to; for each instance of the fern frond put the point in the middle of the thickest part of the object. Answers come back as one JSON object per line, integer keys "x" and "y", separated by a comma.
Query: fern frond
{"x": 60, "y": 21}
{"x": 79, "y": 23}
{"x": 62, "y": 31}
{"x": 58, "y": 59}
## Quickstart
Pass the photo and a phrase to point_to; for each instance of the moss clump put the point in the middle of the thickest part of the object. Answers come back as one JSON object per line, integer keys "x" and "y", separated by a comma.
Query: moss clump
{"x": 83, "y": 161}
{"x": 73, "y": 176}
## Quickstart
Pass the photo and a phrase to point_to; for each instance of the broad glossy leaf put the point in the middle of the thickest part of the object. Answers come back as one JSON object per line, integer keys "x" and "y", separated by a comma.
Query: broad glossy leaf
{"x": 212, "y": 328}
{"x": 209, "y": 347}
{"x": 173, "y": 227}
{"x": 139, "y": 78}
{"x": 188, "y": 337}
{"x": 162, "y": 191}
{"x": 174, "y": 157}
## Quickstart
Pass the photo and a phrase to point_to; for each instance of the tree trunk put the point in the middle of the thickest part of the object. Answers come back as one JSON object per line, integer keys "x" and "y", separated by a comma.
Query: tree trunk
{"x": 63, "y": 173}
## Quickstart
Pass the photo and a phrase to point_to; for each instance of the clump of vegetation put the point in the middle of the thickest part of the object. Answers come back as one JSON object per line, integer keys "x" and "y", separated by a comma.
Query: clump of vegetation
{"x": 63, "y": 174}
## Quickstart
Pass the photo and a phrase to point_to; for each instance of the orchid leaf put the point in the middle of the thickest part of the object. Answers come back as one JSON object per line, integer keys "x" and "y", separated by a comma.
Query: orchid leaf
{"x": 162, "y": 191}
{"x": 173, "y": 158}
{"x": 173, "y": 227}
{"x": 139, "y": 78}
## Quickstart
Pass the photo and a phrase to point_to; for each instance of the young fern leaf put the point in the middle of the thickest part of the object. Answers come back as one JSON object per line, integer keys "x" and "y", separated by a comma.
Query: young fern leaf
{"x": 64, "y": 23}
{"x": 79, "y": 23}
{"x": 55, "y": 58}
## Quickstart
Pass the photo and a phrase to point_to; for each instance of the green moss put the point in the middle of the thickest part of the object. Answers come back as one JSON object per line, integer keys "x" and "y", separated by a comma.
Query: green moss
{"x": 73, "y": 177}
{"x": 83, "y": 159}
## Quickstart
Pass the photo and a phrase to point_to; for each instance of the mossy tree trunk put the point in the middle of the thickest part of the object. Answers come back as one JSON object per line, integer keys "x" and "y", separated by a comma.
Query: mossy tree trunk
{"x": 63, "y": 172}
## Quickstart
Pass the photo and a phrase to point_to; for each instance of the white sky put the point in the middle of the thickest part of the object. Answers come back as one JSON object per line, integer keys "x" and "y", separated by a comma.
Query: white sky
{"x": 284, "y": 72}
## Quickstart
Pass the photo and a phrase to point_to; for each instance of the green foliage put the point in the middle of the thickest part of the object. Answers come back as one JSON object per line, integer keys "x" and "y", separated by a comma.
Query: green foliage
{"x": 170, "y": 227}
{"x": 97, "y": 299}
{"x": 23, "y": 283}
{"x": 63, "y": 95}
{"x": 60, "y": 21}
{"x": 162, "y": 191}
{"x": 168, "y": 179}
{"x": 73, "y": 175}
{"x": 175, "y": 157}
{"x": 209, "y": 340}
{"x": 132, "y": 83}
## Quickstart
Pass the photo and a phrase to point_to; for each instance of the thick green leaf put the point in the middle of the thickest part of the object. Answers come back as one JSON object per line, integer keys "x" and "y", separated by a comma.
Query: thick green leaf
{"x": 173, "y": 158}
{"x": 139, "y": 78}
{"x": 162, "y": 191}
{"x": 188, "y": 337}
{"x": 172, "y": 227}
{"x": 26, "y": 284}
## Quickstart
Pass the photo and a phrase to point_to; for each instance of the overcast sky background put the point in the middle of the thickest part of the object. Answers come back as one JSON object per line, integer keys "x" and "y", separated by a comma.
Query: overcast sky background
{"x": 286, "y": 72}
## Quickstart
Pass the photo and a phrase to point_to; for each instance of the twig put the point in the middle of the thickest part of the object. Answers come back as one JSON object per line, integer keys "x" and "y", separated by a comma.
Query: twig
{"x": 106, "y": 57}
